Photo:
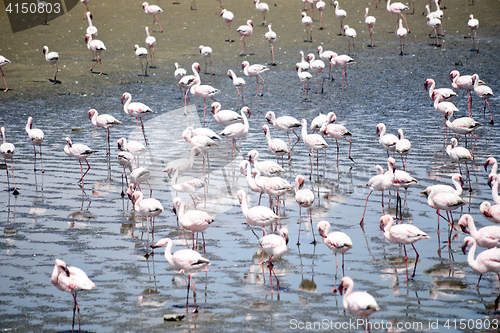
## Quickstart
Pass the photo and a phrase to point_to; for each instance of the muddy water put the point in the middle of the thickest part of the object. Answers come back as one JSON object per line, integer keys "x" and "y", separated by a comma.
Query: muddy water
{"x": 98, "y": 231}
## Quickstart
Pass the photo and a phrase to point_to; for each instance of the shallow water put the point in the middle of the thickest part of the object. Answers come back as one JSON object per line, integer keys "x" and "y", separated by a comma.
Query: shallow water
{"x": 97, "y": 230}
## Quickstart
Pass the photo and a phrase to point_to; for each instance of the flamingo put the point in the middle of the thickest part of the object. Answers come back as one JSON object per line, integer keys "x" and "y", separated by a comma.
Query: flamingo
{"x": 228, "y": 17}
{"x": 303, "y": 64}
{"x": 4, "y": 61}
{"x": 224, "y": 117}
{"x": 245, "y": 169}
{"x": 307, "y": 22}
{"x": 263, "y": 8}
{"x": 36, "y": 137}
{"x": 125, "y": 160}
{"x": 343, "y": 60}
{"x": 464, "y": 82}
{"x": 284, "y": 123}
{"x": 151, "y": 43}
{"x": 494, "y": 167}
{"x": 206, "y": 52}
{"x": 275, "y": 246}
{"x": 267, "y": 168}
{"x": 305, "y": 198}
{"x": 255, "y": 70}
{"x": 320, "y": 5}
{"x": 182, "y": 165}
{"x": 312, "y": 141}
{"x": 273, "y": 186}
{"x": 270, "y": 37}
{"x": 179, "y": 73}
{"x": 237, "y": 130}
{"x": 321, "y": 119}
{"x": 443, "y": 107}
{"x": 152, "y": 10}
{"x": 192, "y": 220}
{"x": 381, "y": 182}
{"x": 402, "y": 234}
{"x": 341, "y": 14}
{"x": 338, "y": 132}
{"x": 91, "y": 30}
{"x": 105, "y": 121}
{"x": 447, "y": 94}
{"x": 350, "y": 33}
{"x": 245, "y": 31}
{"x": 187, "y": 81}
{"x": 203, "y": 131}
{"x": 148, "y": 208}
{"x": 204, "y": 91}
{"x": 312, "y": 6}
{"x": 437, "y": 14}
{"x": 473, "y": 25}
{"x": 359, "y": 303}
{"x": 486, "y": 261}
{"x": 370, "y": 23}
{"x": 80, "y": 152}
{"x": 463, "y": 125}
{"x": 403, "y": 147}
{"x": 185, "y": 260}
{"x": 459, "y": 154}
{"x": 52, "y": 58}
{"x": 387, "y": 141}
{"x": 96, "y": 46}
{"x": 456, "y": 178}
{"x": 202, "y": 142}
{"x": 277, "y": 146}
{"x": 7, "y": 151}
{"x": 487, "y": 237}
{"x": 137, "y": 110}
{"x": 337, "y": 241}
{"x": 327, "y": 56}
{"x": 401, "y": 33}
{"x": 491, "y": 213}
{"x": 434, "y": 24}
{"x": 316, "y": 66}
{"x": 85, "y": 10}
{"x": 397, "y": 8}
{"x": 494, "y": 189}
{"x": 484, "y": 92}
{"x": 138, "y": 176}
{"x": 405, "y": 180}
{"x": 71, "y": 279}
{"x": 239, "y": 84}
{"x": 257, "y": 216}
{"x": 134, "y": 147}
{"x": 305, "y": 78}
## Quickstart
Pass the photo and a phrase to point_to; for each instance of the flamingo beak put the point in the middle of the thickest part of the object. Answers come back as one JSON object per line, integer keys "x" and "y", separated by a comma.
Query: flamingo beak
{"x": 341, "y": 288}
{"x": 464, "y": 247}
{"x": 65, "y": 269}
{"x": 382, "y": 226}
{"x": 464, "y": 229}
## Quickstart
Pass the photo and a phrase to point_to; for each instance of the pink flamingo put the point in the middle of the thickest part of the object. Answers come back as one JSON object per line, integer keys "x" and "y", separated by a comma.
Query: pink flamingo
{"x": 71, "y": 279}
{"x": 456, "y": 178}
{"x": 381, "y": 182}
{"x": 125, "y": 160}
{"x": 263, "y": 8}
{"x": 203, "y": 131}
{"x": 137, "y": 110}
{"x": 206, "y": 52}
{"x": 151, "y": 43}
{"x": 245, "y": 31}
{"x": 239, "y": 84}
{"x": 4, "y": 61}
{"x": 237, "y": 130}
{"x": 91, "y": 30}
{"x": 447, "y": 94}
{"x": 402, "y": 179}
{"x": 486, "y": 261}
{"x": 443, "y": 107}
{"x": 487, "y": 237}
{"x": 142, "y": 53}
{"x": 343, "y": 60}
{"x": 270, "y": 37}
{"x": 134, "y": 147}
{"x": 96, "y": 46}
{"x": 401, "y": 33}
{"x": 303, "y": 64}
{"x": 185, "y": 260}
{"x": 358, "y": 303}
{"x": 187, "y": 81}
{"x": 483, "y": 92}
{"x": 337, "y": 241}
{"x": 387, "y": 141}
{"x": 80, "y": 152}
{"x": 464, "y": 82}
{"x": 316, "y": 66}
{"x": 257, "y": 216}
{"x": 255, "y": 71}
{"x": 397, "y": 8}
{"x": 204, "y": 91}
{"x": 152, "y": 10}
{"x": 491, "y": 213}
{"x": 275, "y": 246}
{"x": 138, "y": 176}
{"x": 338, "y": 132}
{"x": 192, "y": 220}
{"x": 341, "y": 14}
{"x": 52, "y": 58}
{"x": 183, "y": 164}
{"x": 307, "y": 22}
{"x": 225, "y": 117}
{"x": 370, "y": 23}
{"x": 85, "y": 10}
{"x": 7, "y": 151}
{"x": 350, "y": 33}
{"x": 277, "y": 146}
{"x": 228, "y": 17}
{"x": 284, "y": 123}
{"x": 313, "y": 141}
{"x": 327, "y": 56}
{"x": 148, "y": 208}
{"x": 463, "y": 125}
{"x": 305, "y": 78}
{"x": 202, "y": 142}
{"x": 311, "y": 2}
{"x": 36, "y": 137}
{"x": 494, "y": 167}
{"x": 473, "y": 26}
{"x": 320, "y": 5}
{"x": 402, "y": 234}
{"x": 179, "y": 74}
{"x": 459, "y": 154}
{"x": 434, "y": 23}
{"x": 187, "y": 184}
{"x": 267, "y": 168}
{"x": 403, "y": 147}
{"x": 305, "y": 198}
{"x": 273, "y": 186}
{"x": 245, "y": 169}
{"x": 105, "y": 121}
{"x": 319, "y": 120}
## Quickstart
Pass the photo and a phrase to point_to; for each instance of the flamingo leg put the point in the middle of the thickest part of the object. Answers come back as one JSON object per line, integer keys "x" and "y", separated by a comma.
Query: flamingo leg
{"x": 300, "y": 224}
{"x": 312, "y": 229}
{"x": 364, "y": 211}
{"x": 5, "y": 82}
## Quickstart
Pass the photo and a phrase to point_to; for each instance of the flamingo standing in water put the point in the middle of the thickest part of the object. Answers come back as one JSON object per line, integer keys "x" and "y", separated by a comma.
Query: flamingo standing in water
{"x": 258, "y": 216}
{"x": 267, "y": 168}
{"x": 105, "y": 121}
{"x": 255, "y": 71}
{"x": 486, "y": 261}
{"x": 142, "y": 53}
{"x": 304, "y": 77}
{"x": 341, "y": 14}
{"x": 137, "y": 110}
{"x": 228, "y": 17}
{"x": 7, "y": 151}
{"x": 138, "y": 176}
{"x": 447, "y": 94}
{"x": 459, "y": 154}
{"x": 204, "y": 91}
{"x": 245, "y": 31}
{"x": 71, "y": 279}
{"x": 277, "y": 146}
{"x": 125, "y": 160}
{"x": 350, "y": 33}
{"x": 387, "y": 141}
{"x": 148, "y": 208}
{"x": 80, "y": 152}
{"x": 337, "y": 132}
{"x": 370, "y": 23}
{"x": 152, "y": 10}
{"x": 313, "y": 141}
{"x": 463, "y": 125}
{"x": 237, "y": 130}
{"x": 464, "y": 82}
{"x": 36, "y": 138}
{"x": 183, "y": 164}
{"x": 263, "y": 8}
{"x": 151, "y": 43}
{"x": 270, "y": 36}
{"x": 434, "y": 23}
{"x": 187, "y": 81}
{"x": 307, "y": 22}
{"x": 96, "y": 46}
{"x": 401, "y": 33}
{"x": 403, "y": 147}
{"x": 303, "y": 64}
{"x": 284, "y": 123}
{"x": 358, "y": 303}
{"x": 134, "y": 147}
{"x": 246, "y": 170}
{"x": 320, "y": 5}
{"x": 206, "y": 52}
{"x": 179, "y": 73}
{"x": 342, "y": 60}
{"x": 305, "y": 198}
{"x": 316, "y": 66}
{"x": 487, "y": 237}
{"x": 327, "y": 56}
{"x": 337, "y": 241}
{"x": 483, "y": 92}
{"x": 275, "y": 246}
{"x": 52, "y": 58}
{"x": 397, "y": 8}
{"x": 224, "y": 117}
{"x": 402, "y": 234}
{"x": 494, "y": 167}
{"x": 4, "y": 61}
{"x": 239, "y": 84}
{"x": 473, "y": 25}
{"x": 185, "y": 260}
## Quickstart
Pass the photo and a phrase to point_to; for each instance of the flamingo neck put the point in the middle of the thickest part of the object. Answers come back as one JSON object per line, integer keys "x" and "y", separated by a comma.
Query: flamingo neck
{"x": 127, "y": 102}
{"x": 244, "y": 205}
{"x": 387, "y": 229}
{"x": 168, "y": 253}
{"x": 494, "y": 192}
{"x": 472, "y": 227}
{"x": 458, "y": 186}
{"x": 94, "y": 119}
{"x": 470, "y": 258}
{"x": 388, "y": 5}
{"x": 245, "y": 121}
{"x": 304, "y": 131}
{"x": 348, "y": 292}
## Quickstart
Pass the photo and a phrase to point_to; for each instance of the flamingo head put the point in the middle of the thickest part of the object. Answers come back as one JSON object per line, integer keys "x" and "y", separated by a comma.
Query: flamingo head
{"x": 323, "y": 226}
{"x": 249, "y": 22}
{"x": 301, "y": 181}
{"x": 427, "y": 84}
{"x": 177, "y": 202}
{"x": 240, "y": 195}
{"x": 379, "y": 128}
{"x": 246, "y": 110}
{"x": 144, "y": 5}
{"x": 304, "y": 14}
{"x": 91, "y": 113}
{"x": 89, "y": 15}
{"x": 68, "y": 140}
{"x": 489, "y": 161}
{"x": 453, "y": 74}
{"x": 62, "y": 265}
{"x": 243, "y": 167}
{"x": 324, "y": 129}
{"x": 124, "y": 96}
{"x": 384, "y": 220}
{"x": 87, "y": 39}
{"x": 485, "y": 209}
{"x": 215, "y": 107}
{"x": 230, "y": 74}
{"x": 45, "y": 48}
{"x": 197, "y": 67}
{"x": 284, "y": 234}
{"x": 222, "y": 13}
{"x": 244, "y": 64}
{"x": 265, "y": 128}
{"x": 448, "y": 114}
{"x": 251, "y": 156}
{"x": 462, "y": 223}
{"x": 468, "y": 241}
{"x": 332, "y": 117}
{"x": 121, "y": 143}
